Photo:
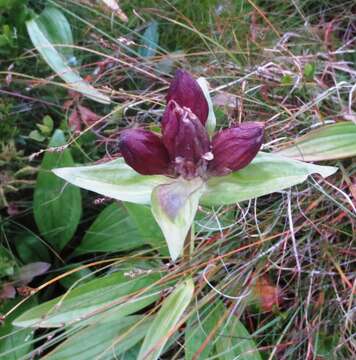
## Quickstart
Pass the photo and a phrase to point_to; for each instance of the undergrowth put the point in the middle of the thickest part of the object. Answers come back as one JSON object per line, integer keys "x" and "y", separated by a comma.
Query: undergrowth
{"x": 282, "y": 263}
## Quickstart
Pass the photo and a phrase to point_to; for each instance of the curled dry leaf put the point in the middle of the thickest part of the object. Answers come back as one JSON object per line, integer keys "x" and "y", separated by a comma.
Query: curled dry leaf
{"x": 29, "y": 271}
{"x": 82, "y": 116}
{"x": 267, "y": 295}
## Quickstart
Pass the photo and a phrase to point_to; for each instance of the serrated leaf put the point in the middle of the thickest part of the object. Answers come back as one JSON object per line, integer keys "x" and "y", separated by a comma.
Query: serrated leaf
{"x": 174, "y": 206}
{"x": 235, "y": 342}
{"x": 165, "y": 321}
{"x": 330, "y": 142}
{"x": 40, "y": 34}
{"x": 113, "y": 230}
{"x": 114, "y": 179}
{"x": 88, "y": 299}
{"x": 57, "y": 205}
{"x": 266, "y": 174}
{"x": 100, "y": 339}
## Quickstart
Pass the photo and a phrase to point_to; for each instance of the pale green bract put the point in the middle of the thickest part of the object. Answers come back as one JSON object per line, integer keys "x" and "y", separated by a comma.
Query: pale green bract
{"x": 175, "y": 201}
{"x": 174, "y": 206}
{"x": 114, "y": 179}
{"x": 266, "y": 174}
{"x": 211, "y": 120}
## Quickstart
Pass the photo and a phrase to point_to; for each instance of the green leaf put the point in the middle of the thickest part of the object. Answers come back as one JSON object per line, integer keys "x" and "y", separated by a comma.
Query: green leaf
{"x": 199, "y": 327}
{"x": 87, "y": 300}
{"x": 114, "y": 179}
{"x": 57, "y": 205}
{"x": 235, "y": 342}
{"x": 81, "y": 276}
{"x": 112, "y": 230}
{"x": 15, "y": 343}
{"x": 266, "y": 174}
{"x": 174, "y": 206}
{"x": 287, "y": 80}
{"x": 30, "y": 248}
{"x": 149, "y": 40}
{"x": 309, "y": 71}
{"x": 330, "y": 142}
{"x": 40, "y": 34}
{"x": 325, "y": 345}
{"x": 211, "y": 121}
{"x": 56, "y": 28}
{"x": 164, "y": 323}
{"x": 107, "y": 338}
{"x": 46, "y": 127}
{"x": 36, "y": 135}
{"x": 48, "y": 122}
{"x": 147, "y": 226}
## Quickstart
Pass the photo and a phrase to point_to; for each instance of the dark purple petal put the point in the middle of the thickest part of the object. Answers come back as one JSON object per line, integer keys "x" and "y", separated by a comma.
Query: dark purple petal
{"x": 186, "y": 92}
{"x": 185, "y": 138}
{"x": 235, "y": 148}
{"x": 144, "y": 151}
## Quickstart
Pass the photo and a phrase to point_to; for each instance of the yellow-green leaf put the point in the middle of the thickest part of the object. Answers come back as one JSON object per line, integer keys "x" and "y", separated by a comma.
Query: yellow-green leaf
{"x": 330, "y": 142}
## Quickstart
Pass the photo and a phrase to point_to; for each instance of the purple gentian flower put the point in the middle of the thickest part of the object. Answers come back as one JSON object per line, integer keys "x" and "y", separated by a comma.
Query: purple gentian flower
{"x": 184, "y": 149}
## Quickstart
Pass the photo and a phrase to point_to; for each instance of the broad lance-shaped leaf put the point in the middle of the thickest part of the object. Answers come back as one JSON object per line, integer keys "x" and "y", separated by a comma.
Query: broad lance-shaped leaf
{"x": 101, "y": 339}
{"x": 113, "y": 230}
{"x": 202, "y": 324}
{"x": 330, "y": 142}
{"x": 165, "y": 321}
{"x": 235, "y": 342}
{"x": 89, "y": 299}
{"x": 266, "y": 174}
{"x": 15, "y": 343}
{"x": 174, "y": 206}
{"x": 56, "y": 205}
{"x": 57, "y": 30}
{"x": 147, "y": 227}
{"x": 113, "y": 179}
{"x": 57, "y": 60}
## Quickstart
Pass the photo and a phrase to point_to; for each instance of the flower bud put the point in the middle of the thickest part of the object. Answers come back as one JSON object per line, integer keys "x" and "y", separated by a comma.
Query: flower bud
{"x": 185, "y": 138}
{"x": 235, "y": 148}
{"x": 186, "y": 92}
{"x": 144, "y": 151}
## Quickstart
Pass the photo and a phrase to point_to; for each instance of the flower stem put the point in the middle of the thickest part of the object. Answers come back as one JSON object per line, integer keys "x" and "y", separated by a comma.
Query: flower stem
{"x": 189, "y": 245}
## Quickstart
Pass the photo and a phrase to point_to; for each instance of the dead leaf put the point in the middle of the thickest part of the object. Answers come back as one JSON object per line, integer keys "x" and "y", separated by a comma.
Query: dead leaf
{"x": 82, "y": 116}
{"x": 114, "y": 7}
{"x": 74, "y": 121}
{"x": 225, "y": 99}
{"x": 29, "y": 271}
{"x": 268, "y": 296}
{"x": 7, "y": 292}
